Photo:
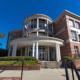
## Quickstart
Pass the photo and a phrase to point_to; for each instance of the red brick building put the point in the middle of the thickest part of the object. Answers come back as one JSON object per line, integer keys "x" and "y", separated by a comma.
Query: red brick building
{"x": 45, "y": 39}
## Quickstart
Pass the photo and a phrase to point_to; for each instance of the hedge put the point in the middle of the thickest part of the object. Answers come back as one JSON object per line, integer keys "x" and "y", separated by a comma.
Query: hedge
{"x": 27, "y": 58}
{"x": 70, "y": 58}
{"x": 19, "y": 63}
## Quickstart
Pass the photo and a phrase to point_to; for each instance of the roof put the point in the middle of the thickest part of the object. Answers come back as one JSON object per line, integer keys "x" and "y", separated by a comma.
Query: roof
{"x": 35, "y": 16}
{"x": 66, "y": 12}
{"x": 16, "y": 30}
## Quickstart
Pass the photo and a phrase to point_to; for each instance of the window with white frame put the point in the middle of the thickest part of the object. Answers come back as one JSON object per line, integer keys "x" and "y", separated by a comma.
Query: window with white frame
{"x": 71, "y": 23}
{"x": 79, "y": 37}
{"x": 74, "y": 36}
{"x": 77, "y": 25}
{"x": 76, "y": 49}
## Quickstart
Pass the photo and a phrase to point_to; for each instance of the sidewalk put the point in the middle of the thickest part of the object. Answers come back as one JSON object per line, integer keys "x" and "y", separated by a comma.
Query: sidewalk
{"x": 43, "y": 74}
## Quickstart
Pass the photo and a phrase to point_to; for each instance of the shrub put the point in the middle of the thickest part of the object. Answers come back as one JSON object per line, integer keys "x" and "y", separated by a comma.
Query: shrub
{"x": 70, "y": 58}
{"x": 27, "y": 58}
{"x": 19, "y": 63}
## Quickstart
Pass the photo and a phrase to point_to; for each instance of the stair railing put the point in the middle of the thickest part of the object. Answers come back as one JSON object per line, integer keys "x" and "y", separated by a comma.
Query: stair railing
{"x": 22, "y": 60}
{"x": 72, "y": 68}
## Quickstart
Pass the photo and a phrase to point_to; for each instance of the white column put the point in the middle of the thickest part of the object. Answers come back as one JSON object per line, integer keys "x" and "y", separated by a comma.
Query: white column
{"x": 9, "y": 51}
{"x": 47, "y": 24}
{"x": 33, "y": 49}
{"x": 37, "y": 50}
{"x": 14, "y": 49}
{"x": 58, "y": 56}
{"x": 37, "y": 33}
{"x": 37, "y": 23}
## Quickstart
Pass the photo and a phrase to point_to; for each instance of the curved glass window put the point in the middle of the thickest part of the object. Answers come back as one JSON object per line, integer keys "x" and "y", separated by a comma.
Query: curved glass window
{"x": 33, "y": 34}
{"x": 42, "y": 23}
{"x": 50, "y": 26}
{"x": 27, "y": 25}
{"x": 33, "y": 23}
{"x": 42, "y": 34}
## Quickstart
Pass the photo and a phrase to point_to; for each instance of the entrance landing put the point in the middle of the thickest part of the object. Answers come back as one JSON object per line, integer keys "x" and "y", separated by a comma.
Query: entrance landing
{"x": 50, "y": 64}
{"x": 43, "y": 74}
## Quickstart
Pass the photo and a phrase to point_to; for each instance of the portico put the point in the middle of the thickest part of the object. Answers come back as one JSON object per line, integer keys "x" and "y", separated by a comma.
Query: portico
{"x": 43, "y": 48}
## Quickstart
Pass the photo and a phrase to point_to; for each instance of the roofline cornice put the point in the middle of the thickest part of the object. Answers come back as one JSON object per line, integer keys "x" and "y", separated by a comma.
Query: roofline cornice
{"x": 66, "y": 12}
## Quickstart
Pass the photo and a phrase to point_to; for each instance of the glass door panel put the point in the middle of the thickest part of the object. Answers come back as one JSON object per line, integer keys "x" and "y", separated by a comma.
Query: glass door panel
{"x": 51, "y": 51}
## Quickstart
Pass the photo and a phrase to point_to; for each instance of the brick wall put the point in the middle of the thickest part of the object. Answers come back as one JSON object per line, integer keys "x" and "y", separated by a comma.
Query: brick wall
{"x": 60, "y": 29}
{"x": 16, "y": 33}
{"x": 62, "y": 32}
{"x": 72, "y": 44}
{"x": 25, "y": 67}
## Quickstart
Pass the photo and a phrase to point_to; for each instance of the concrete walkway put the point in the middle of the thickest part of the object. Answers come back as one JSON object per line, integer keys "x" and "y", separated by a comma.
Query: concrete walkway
{"x": 43, "y": 74}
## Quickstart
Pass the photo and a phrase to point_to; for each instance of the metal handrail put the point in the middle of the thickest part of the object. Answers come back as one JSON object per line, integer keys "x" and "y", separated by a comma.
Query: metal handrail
{"x": 12, "y": 65}
{"x": 72, "y": 67}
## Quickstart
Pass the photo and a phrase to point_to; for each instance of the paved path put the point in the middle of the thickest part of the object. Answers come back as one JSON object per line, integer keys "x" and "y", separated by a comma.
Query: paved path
{"x": 43, "y": 74}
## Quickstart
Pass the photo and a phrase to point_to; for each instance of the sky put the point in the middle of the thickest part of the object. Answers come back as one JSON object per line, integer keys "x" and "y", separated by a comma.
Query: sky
{"x": 13, "y": 12}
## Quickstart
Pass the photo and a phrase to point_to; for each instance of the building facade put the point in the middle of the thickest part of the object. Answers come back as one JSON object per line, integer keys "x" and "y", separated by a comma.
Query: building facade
{"x": 45, "y": 39}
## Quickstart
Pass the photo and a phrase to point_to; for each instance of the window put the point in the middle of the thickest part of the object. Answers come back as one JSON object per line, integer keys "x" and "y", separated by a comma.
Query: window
{"x": 71, "y": 23}
{"x": 50, "y": 26}
{"x": 27, "y": 25}
{"x": 50, "y": 35}
{"x": 20, "y": 35}
{"x": 76, "y": 49}
{"x": 42, "y": 24}
{"x": 42, "y": 34}
{"x": 74, "y": 37}
{"x": 33, "y": 34}
{"x": 33, "y": 23}
{"x": 79, "y": 37}
{"x": 11, "y": 37}
{"x": 77, "y": 25}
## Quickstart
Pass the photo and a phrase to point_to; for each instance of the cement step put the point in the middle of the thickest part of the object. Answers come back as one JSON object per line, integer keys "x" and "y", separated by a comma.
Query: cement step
{"x": 50, "y": 64}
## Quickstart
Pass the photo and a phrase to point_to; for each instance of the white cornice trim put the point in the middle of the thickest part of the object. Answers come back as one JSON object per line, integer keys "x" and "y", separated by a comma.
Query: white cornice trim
{"x": 41, "y": 39}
